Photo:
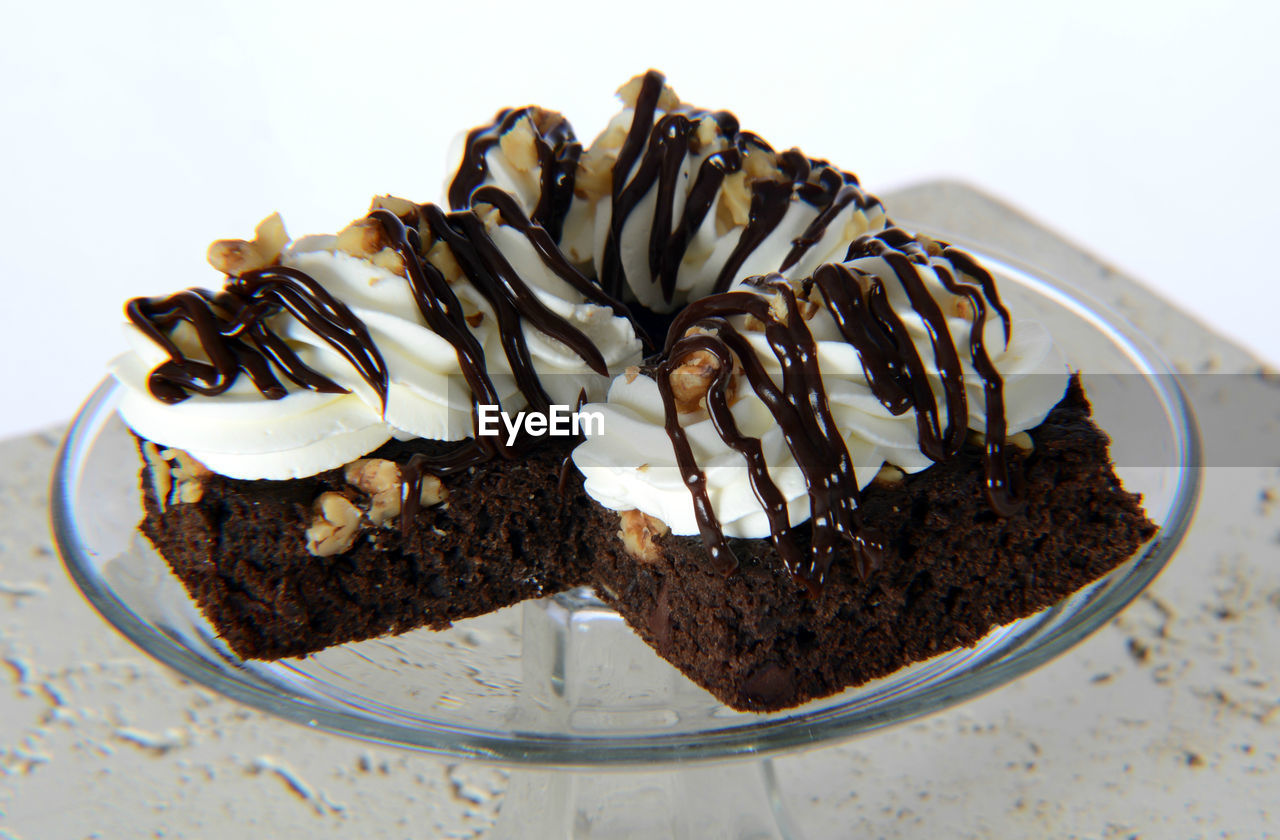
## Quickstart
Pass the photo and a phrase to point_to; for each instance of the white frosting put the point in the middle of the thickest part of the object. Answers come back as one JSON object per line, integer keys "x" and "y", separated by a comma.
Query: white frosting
{"x": 633, "y": 463}
{"x": 709, "y": 248}
{"x": 243, "y": 435}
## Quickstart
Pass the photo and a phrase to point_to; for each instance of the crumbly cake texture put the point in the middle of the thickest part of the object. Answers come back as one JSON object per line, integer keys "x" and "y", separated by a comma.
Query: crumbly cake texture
{"x": 504, "y": 534}
{"x": 953, "y": 571}
{"x": 754, "y": 639}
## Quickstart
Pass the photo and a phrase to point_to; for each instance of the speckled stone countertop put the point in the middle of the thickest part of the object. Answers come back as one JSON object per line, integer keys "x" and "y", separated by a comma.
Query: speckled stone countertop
{"x": 1166, "y": 723}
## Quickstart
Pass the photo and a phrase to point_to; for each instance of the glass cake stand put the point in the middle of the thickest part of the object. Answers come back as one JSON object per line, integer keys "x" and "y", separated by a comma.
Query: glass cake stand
{"x": 560, "y": 689}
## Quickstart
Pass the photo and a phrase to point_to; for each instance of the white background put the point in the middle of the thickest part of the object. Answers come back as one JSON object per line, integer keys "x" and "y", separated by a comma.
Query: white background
{"x": 132, "y": 136}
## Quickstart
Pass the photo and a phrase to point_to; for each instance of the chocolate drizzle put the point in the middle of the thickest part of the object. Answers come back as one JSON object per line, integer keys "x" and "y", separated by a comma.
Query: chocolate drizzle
{"x": 558, "y": 153}
{"x": 848, "y": 193}
{"x": 234, "y": 332}
{"x": 800, "y": 408}
{"x": 656, "y": 148}
{"x": 232, "y": 329}
{"x": 858, "y": 302}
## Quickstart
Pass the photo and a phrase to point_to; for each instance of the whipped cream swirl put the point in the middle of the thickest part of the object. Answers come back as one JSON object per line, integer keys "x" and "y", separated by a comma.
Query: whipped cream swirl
{"x": 684, "y": 204}
{"x": 901, "y": 351}
{"x": 420, "y": 388}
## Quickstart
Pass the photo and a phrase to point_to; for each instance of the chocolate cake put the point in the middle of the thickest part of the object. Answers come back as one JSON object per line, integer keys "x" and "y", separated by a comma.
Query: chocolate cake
{"x": 953, "y": 569}
{"x": 826, "y": 446}
{"x": 245, "y": 550}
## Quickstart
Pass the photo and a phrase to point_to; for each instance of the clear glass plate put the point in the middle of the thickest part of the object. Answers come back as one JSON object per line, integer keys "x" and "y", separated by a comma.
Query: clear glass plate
{"x": 562, "y": 681}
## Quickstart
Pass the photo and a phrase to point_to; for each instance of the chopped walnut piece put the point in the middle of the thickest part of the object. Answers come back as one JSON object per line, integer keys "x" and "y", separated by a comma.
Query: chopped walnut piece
{"x": 855, "y": 226}
{"x": 631, "y": 373}
{"x": 1022, "y": 440}
{"x": 362, "y": 238}
{"x": 889, "y": 475}
{"x": 545, "y": 119}
{"x": 691, "y": 380}
{"x": 382, "y": 480}
{"x": 760, "y": 164}
{"x": 176, "y": 477}
{"x": 379, "y": 478}
{"x": 629, "y": 93}
{"x": 402, "y": 207}
{"x": 406, "y": 211}
{"x": 639, "y": 533}
{"x": 932, "y": 247}
{"x": 433, "y": 491}
{"x": 390, "y": 260}
{"x": 366, "y": 239}
{"x": 384, "y": 506}
{"x": 161, "y": 478}
{"x": 236, "y": 257}
{"x": 488, "y": 214}
{"x": 334, "y": 525}
{"x": 372, "y": 475}
{"x": 778, "y": 308}
{"x": 441, "y": 256}
{"x": 594, "y": 177}
{"x": 188, "y": 476}
{"x": 805, "y": 304}
{"x": 708, "y": 131}
{"x": 734, "y": 207}
{"x": 519, "y": 145}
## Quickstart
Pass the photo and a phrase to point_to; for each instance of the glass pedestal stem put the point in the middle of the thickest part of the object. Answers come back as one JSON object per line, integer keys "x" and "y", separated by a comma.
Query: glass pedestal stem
{"x": 580, "y": 661}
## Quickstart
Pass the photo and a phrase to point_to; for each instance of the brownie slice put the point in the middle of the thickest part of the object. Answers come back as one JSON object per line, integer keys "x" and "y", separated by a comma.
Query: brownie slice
{"x": 754, "y": 639}
{"x": 504, "y": 534}
{"x": 954, "y": 569}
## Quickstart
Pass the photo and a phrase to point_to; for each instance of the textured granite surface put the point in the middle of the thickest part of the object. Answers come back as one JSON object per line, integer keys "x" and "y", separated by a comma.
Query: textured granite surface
{"x": 1166, "y": 723}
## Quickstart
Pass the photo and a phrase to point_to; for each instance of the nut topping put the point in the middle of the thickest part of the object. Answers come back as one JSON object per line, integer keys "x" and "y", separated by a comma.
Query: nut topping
{"x": 161, "y": 478}
{"x": 733, "y": 208}
{"x": 639, "y": 533}
{"x": 334, "y": 525}
{"x": 889, "y": 475}
{"x": 595, "y": 169}
{"x": 372, "y": 475}
{"x": 441, "y": 256}
{"x": 629, "y": 93}
{"x": 1022, "y": 440}
{"x": 188, "y": 476}
{"x": 433, "y": 491}
{"x": 382, "y": 481}
{"x": 176, "y": 477}
{"x": 519, "y": 147}
{"x": 403, "y": 208}
{"x": 366, "y": 239}
{"x": 692, "y": 378}
{"x": 236, "y": 257}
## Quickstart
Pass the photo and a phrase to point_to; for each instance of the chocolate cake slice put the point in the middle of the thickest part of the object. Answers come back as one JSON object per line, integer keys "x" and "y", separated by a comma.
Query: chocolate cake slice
{"x": 755, "y": 639}
{"x": 756, "y": 339}
{"x": 245, "y": 550}
{"x": 953, "y": 570}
